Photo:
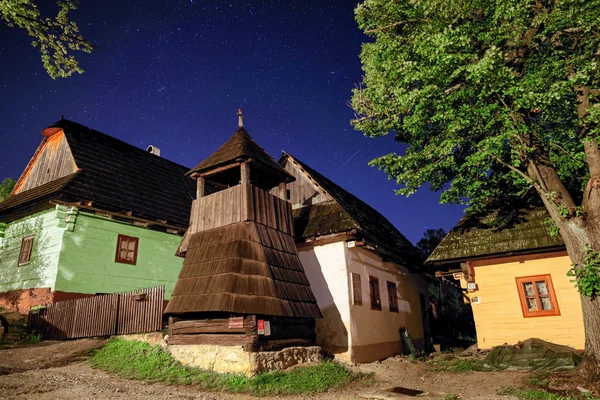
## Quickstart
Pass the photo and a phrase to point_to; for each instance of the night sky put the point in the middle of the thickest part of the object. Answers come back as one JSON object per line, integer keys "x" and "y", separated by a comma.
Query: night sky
{"x": 173, "y": 74}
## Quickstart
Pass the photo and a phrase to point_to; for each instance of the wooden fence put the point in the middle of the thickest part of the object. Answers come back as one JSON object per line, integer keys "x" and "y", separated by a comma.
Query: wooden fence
{"x": 118, "y": 313}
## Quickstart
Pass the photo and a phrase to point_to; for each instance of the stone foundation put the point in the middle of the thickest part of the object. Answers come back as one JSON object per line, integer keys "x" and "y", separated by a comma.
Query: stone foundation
{"x": 232, "y": 359}
{"x": 227, "y": 359}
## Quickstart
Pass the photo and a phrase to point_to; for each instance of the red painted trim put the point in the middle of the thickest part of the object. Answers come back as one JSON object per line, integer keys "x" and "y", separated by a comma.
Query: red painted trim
{"x": 127, "y": 239}
{"x": 551, "y": 294}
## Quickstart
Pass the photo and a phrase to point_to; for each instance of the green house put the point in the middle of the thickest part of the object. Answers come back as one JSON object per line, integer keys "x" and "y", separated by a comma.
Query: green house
{"x": 91, "y": 214}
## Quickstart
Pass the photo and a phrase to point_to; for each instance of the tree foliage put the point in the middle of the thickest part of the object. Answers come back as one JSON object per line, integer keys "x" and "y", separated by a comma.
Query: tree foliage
{"x": 6, "y": 187}
{"x": 493, "y": 99}
{"x": 477, "y": 87}
{"x": 431, "y": 238}
{"x": 56, "y": 37}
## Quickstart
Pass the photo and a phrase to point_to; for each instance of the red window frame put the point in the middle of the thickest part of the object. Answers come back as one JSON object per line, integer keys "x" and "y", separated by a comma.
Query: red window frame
{"x": 375, "y": 293}
{"x": 392, "y": 296}
{"x": 537, "y": 296}
{"x": 123, "y": 245}
{"x": 26, "y": 250}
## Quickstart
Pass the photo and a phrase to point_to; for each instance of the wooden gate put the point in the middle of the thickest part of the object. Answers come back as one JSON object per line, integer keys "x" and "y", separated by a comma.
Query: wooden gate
{"x": 136, "y": 311}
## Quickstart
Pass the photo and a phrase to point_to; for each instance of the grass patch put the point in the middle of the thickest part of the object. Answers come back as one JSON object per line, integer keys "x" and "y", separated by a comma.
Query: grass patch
{"x": 451, "y": 397}
{"x": 137, "y": 360}
{"x": 537, "y": 388}
{"x": 451, "y": 364}
{"x": 541, "y": 394}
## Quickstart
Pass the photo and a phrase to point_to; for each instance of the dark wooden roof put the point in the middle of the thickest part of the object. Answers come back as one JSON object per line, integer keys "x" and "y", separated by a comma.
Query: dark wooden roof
{"x": 245, "y": 268}
{"x": 26, "y": 202}
{"x": 476, "y": 238}
{"x": 116, "y": 176}
{"x": 242, "y": 147}
{"x": 347, "y": 212}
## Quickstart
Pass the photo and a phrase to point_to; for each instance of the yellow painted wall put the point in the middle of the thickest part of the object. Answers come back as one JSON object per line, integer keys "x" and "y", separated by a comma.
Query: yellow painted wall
{"x": 499, "y": 317}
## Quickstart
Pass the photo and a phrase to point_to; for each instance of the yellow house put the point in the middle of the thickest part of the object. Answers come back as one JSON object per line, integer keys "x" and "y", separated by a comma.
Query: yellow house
{"x": 516, "y": 280}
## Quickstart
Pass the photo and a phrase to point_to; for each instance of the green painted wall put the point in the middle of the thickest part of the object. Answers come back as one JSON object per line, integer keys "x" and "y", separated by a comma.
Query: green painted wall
{"x": 48, "y": 228}
{"x": 87, "y": 258}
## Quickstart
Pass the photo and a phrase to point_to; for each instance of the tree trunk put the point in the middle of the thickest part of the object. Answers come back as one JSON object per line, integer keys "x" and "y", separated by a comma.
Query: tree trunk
{"x": 577, "y": 232}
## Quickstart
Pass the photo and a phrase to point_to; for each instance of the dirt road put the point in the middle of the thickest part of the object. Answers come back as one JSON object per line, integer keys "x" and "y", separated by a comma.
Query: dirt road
{"x": 60, "y": 370}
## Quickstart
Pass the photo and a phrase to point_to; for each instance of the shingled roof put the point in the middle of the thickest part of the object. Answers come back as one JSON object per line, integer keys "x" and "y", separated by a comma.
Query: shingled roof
{"x": 476, "y": 238}
{"x": 346, "y": 212}
{"x": 241, "y": 147}
{"x": 114, "y": 176}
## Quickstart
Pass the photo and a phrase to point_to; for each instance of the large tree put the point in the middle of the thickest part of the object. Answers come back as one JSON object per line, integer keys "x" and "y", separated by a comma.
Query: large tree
{"x": 493, "y": 99}
{"x": 6, "y": 186}
{"x": 56, "y": 37}
{"x": 430, "y": 239}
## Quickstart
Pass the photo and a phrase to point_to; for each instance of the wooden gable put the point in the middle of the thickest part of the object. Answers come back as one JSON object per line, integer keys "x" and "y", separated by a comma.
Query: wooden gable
{"x": 51, "y": 161}
{"x": 303, "y": 191}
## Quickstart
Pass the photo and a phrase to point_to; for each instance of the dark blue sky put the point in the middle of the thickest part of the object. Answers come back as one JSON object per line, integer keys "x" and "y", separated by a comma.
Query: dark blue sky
{"x": 173, "y": 74}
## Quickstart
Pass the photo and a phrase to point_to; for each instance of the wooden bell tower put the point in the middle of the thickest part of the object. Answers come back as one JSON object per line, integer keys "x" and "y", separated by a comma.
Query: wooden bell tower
{"x": 242, "y": 281}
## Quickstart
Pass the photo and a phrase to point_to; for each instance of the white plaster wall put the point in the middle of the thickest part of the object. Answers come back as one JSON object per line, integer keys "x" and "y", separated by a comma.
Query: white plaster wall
{"x": 374, "y": 326}
{"x": 325, "y": 268}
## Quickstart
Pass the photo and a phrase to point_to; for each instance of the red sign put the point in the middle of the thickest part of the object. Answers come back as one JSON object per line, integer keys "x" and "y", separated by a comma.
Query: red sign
{"x": 236, "y": 322}
{"x": 261, "y": 326}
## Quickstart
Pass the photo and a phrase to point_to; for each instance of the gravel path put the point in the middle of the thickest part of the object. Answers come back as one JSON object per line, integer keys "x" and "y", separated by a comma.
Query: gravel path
{"x": 59, "y": 370}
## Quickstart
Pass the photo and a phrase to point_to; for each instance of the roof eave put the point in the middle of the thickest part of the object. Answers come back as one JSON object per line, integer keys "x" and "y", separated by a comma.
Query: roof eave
{"x": 538, "y": 250}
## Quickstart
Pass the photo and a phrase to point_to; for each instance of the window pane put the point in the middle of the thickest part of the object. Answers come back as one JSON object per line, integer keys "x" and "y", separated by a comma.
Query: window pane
{"x": 528, "y": 288}
{"x": 542, "y": 288}
{"x": 532, "y": 304}
{"x": 356, "y": 289}
{"x": 123, "y": 255}
{"x": 131, "y": 245}
{"x": 546, "y": 304}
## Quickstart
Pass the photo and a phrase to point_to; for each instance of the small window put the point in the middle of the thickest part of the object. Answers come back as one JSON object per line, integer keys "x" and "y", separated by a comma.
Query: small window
{"x": 537, "y": 296}
{"x": 375, "y": 296}
{"x": 356, "y": 290}
{"x": 127, "y": 248}
{"x": 26, "y": 250}
{"x": 288, "y": 194}
{"x": 393, "y": 296}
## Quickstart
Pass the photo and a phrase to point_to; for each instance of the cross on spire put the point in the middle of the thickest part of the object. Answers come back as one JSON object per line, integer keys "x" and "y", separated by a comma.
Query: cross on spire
{"x": 240, "y": 118}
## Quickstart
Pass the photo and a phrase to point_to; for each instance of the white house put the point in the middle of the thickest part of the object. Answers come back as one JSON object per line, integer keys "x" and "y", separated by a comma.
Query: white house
{"x": 364, "y": 273}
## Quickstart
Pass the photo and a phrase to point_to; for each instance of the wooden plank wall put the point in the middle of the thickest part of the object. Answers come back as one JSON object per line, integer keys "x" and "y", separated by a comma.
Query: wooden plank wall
{"x": 118, "y": 313}
{"x": 285, "y": 332}
{"x": 239, "y": 203}
{"x": 272, "y": 211}
{"x": 303, "y": 191}
{"x": 52, "y": 161}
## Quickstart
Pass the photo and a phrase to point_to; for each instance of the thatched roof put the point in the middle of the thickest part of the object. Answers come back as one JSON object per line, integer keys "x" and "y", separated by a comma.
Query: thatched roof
{"x": 114, "y": 176}
{"x": 347, "y": 212}
{"x": 241, "y": 147}
{"x": 245, "y": 268}
{"x": 476, "y": 238}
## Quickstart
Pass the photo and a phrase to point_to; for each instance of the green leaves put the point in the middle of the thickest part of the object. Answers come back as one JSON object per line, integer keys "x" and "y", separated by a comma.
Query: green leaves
{"x": 56, "y": 38}
{"x": 6, "y": 187}
{"x": 587, "y": 276}
{"x": 477, "y": 90}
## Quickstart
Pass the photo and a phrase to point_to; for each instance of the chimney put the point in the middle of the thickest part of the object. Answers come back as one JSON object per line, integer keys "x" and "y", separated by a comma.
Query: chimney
{"x": 154, "y": 150}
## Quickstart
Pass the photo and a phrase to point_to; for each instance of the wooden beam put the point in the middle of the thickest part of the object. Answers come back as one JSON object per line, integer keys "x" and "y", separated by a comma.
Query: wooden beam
{"x": 245, "y": 173}
{"x": 221, "y": 339}
{"x": 282, "y": 191}
{"x": 217, "y": 170}
{"x": 220, "y": 325}
{"x": 111, "y": 215}
{"x": 199, "y": 187}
